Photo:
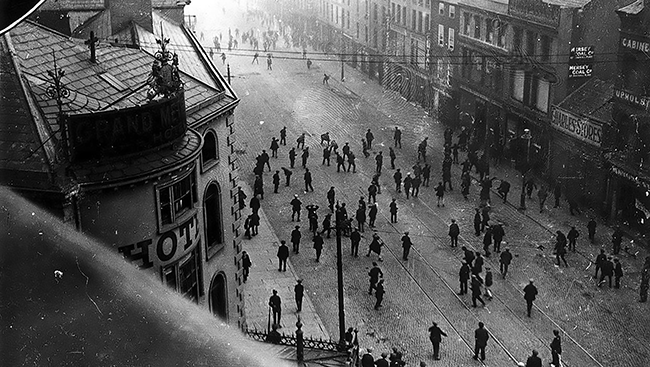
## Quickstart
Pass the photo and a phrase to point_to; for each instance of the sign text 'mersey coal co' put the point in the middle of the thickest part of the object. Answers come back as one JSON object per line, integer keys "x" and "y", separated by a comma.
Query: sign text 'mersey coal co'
{"x": 166, "y": 246}
{"x": 582, "y": 129}
{"x": 128, "y": 130}
{"x": 581, "y": 61}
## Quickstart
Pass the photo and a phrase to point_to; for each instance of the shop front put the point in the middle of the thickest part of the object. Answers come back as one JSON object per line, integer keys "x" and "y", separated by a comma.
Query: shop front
{"x": 629, "y": 196}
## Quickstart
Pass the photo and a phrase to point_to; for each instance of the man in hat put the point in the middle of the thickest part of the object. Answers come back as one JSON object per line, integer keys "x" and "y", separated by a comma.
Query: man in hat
{"x": 295, "y": 239}
{"x": 454, "y": 232}
{"x": 463, "y": 277}
{"x": 283, "y": 255}
{"x": 533, "y": 360}
{"x": 299, "y": 291}
{"x": 295, "y": 207}
{"x": 355, "y": 238}
{"x": 530, "y": 292}
{"x": 572, "y": 236}
{"x": 393, "y": 211}
{"x": 435, "y": 335}
{"x": 379, "y": 293}
{"x": 406, "y": 245}
{"x": 504, "y": 262}
{"x": 375, "y": 273}
{"x": 382, "y": 362}
{"x": 276, "y": 306}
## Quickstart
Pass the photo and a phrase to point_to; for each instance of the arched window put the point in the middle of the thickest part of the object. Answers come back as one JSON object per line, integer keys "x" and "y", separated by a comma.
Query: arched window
{"x": 210, "y": 151}
{"x": 219, "y": 296}
{"x": 213, "y": 218}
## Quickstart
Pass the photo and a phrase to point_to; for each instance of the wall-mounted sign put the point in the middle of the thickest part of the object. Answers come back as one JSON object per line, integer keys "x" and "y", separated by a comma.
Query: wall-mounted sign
{"x": 639, "y": 45}
{"x": 581, "y": 61}
{"x": 632, "y": 99}
{"x": 167, "y": 246}
{"x": 536, "y": 10}
{"x": 581, "y": 128}
{"x": 633, "y": 178}
{"x": 128, "y": 130}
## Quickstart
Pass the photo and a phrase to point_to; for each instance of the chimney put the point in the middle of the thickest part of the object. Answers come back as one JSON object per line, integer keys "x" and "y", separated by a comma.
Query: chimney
{"x": 123, "y": 12}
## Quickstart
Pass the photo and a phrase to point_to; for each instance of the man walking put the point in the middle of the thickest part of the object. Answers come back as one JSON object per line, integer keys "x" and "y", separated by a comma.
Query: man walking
{"x": 560, "y": 248}
{"x": 295, "y": 239}
{"x": 481, "y": 337}
{"x": 299, "y": 291}
{"x": 530, "y": 292}
{"x": 372, "y": 215}
{"x": 246, "y": 265}
{"x": 556, "y": 349}
{"x": 504, "y": 261}
{"x": 440, "y": 194}
{"x": 618, "y": 273}
{"x": 463, "y": 277}
{"x": 534, "y": 360}
{"x": 318, "y": 245}
{"x": 379, "y": 293}
{"x": 476, "y": 291}
{"x": 397, "y": 137}
{"x": 369, "y": 138}
{"x": 454, "y": 232}
{"x": 276, "y": 181}
{"x": 331, "y": 197}
{"x": 295, "y": 207}
{"x": 591, "y": 228}
{"x": 497, "y": 236}
{"x": 292, "y": 157}
{"x": 406, "y": 246}
{"x": 398, "y": 180}
{"x": 308, "y": 180}
{"x": 435, "y": 335}
{"x": 276, "y": 306}
{"x": 600, "y": 260}
{"x": 572, "y": 236}
{"x": 304, "y": 156}
{"x": 375, "y": 273}
{"x": 326, "y": 156}
{"x": 607, "y": 270}
{"x": 379, "y": 160}
{"x": 287, "y": 175}
{"x": 393, "y": 211}
{"x": 355, "y": 238}
{"x": 477, "y": 222}
{"x": 283, "y": 135}
{"x": 391, "y": 154}
{"x": 283, "y": 254}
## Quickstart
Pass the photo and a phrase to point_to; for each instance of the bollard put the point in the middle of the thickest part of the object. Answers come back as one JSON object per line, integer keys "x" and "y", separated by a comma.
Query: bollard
{"x": 300, "y": 347}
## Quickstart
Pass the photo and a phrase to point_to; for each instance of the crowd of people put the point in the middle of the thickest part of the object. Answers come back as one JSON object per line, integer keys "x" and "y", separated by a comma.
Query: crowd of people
{"x": 473, "y": 273}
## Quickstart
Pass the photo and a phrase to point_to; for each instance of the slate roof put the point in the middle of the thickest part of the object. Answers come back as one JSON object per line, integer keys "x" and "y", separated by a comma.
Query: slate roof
{"x": 634, "y": 8}
{"x": 123, "y": 85}
{"x": 568, "y": 3}
{"x": 18, "y": 148}
{"x": 592, "y": 99}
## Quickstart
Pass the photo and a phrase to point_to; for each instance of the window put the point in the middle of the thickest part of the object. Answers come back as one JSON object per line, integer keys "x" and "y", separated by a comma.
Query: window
{"x": 398, "y": 18}
{"x": 477, "y": 27}
{"x": 404, "y": 11}
{"x": 441, "y": 35}
{"x": 176, "y": 199}
{"x": 213, "y": 222}
{"x": 542, "y": 95}
{"x": 427, "y": 24}
{"x": 392, "y": 10}
{"x": 357, "y": 30}
{"x": 501, "y": 32}
{"x": 452, "y": 11}
{"x": 209, "y": 152}
{"x": 183, "y": 276}
{"x": 441, "y": 8}
{"x": 450, "y": 41}
{"x": 531, "y": 90}
{"x": 545, "y": 47}
{"x": 414, "y": 19}
{"x": 489, "y": 30}
{"x": 466, "y": 63}
{"x": 420, "y": 21}
{"x": 531, "y": 42}
{"x": 516, "y": 37}
{"x": 467, "y": 23}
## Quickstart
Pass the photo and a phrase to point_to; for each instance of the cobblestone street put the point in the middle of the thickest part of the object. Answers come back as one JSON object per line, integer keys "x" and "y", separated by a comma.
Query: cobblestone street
{"x": 599, "y": 326}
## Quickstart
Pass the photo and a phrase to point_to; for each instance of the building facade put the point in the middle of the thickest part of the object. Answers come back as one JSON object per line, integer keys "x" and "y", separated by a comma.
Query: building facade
{"x": 628, "y": 198}
{"x": 152, "y": 178}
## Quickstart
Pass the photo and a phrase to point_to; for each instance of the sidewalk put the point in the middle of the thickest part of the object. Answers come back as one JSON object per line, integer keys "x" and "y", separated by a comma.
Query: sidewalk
{"x": 264, "y": 277}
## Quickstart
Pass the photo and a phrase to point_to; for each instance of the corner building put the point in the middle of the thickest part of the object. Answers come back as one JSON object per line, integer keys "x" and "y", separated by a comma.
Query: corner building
{"x": 154, "y": 179}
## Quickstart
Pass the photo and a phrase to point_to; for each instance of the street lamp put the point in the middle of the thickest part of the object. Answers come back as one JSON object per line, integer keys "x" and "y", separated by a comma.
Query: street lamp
{"x": 525, "y": 169}
{"x": 339, "y": 274}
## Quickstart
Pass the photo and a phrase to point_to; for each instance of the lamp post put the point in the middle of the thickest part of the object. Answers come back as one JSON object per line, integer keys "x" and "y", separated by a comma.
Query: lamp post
{"x": 339, "y": 274}
{"x": 525, "y": 169}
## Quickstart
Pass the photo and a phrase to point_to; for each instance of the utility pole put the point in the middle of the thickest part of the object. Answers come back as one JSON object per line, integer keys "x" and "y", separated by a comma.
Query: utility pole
{"x": 339, "y": 274}
{"x": 526, "y": 168}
